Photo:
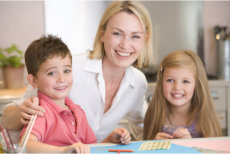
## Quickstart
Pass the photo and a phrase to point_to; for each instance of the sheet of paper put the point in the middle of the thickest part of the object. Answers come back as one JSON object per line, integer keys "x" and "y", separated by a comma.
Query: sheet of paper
{"x": 136, "y": 145}
{"x": 220, "y": 145}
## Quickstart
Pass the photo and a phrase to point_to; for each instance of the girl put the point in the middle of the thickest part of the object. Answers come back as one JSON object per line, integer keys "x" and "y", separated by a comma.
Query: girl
{"x": 181, "y": 106}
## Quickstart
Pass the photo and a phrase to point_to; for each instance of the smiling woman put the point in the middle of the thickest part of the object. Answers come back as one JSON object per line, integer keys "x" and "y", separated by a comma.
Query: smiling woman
{"x": 105, "y": 80}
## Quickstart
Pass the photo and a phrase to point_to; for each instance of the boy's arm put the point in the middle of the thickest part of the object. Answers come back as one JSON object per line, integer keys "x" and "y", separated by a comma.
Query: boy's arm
{"x": 34, "y": 146}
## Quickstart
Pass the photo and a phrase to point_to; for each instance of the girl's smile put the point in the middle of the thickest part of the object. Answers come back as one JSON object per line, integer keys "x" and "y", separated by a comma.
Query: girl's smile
{"x": 178, "y": 85}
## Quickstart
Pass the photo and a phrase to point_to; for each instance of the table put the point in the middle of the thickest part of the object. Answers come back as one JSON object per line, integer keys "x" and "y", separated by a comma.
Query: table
{"x": 8, "y": 95}
{"x": 206, "y": 145}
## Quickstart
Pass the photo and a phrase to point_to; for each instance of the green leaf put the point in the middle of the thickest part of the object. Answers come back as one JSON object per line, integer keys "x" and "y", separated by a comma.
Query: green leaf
{"x": 11, "y": 56}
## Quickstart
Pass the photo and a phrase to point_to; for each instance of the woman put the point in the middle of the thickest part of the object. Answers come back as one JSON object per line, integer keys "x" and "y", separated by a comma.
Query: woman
{"x": 106, "y": 85}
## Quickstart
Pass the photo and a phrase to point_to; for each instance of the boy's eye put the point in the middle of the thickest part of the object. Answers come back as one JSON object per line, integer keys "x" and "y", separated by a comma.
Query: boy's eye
{"x": 67, "y": 71}
{"x": 51, "y": 73}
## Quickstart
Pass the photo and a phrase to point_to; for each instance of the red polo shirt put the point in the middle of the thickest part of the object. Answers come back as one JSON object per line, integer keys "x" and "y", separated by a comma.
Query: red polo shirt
{"x": 58, "y": 126}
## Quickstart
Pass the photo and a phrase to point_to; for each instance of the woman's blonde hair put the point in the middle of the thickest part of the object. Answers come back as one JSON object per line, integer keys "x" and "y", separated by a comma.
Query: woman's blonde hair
{"x": 202, "y": 108}
{"x": 131, "y": 7}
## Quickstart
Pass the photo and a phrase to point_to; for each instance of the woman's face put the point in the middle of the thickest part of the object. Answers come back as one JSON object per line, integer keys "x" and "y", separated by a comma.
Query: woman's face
{"x": 123, "y": 40}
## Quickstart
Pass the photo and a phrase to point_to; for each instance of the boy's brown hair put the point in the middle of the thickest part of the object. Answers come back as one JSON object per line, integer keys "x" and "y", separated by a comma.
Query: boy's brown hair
{"x": 47, "y": 46}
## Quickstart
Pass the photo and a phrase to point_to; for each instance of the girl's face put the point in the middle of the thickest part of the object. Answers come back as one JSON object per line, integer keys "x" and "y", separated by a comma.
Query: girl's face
{"x": 123, "y": 39}
{"x": 178, "y": 86}
{"x": 54, "y": 77}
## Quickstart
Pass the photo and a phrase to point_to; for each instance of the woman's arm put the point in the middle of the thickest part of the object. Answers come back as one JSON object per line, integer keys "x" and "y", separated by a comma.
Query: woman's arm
{"x": 119, "y": 135}
{"x": 11, "y": 117}
{"x": 18, "y": 113}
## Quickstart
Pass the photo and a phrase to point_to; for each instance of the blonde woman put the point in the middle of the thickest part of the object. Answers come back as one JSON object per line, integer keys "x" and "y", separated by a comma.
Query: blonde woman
{"x": 181, "y": 106}
{"x": 106, "y": 84}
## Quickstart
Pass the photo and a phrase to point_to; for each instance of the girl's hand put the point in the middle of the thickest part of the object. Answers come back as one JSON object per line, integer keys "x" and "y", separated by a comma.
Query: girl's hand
{"x": 182, "y": 133}
{"x": 120, "y": 135}
{"x": 30, "y": 107}
{"x": 163, "y": 136}
{"x": 78, "y": 148}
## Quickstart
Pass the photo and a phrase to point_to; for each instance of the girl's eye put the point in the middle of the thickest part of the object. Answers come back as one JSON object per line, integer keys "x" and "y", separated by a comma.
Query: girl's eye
{"x": 169, "y": 80}
{"x": 186, "y": 81}
{"x": 51, "y": 73}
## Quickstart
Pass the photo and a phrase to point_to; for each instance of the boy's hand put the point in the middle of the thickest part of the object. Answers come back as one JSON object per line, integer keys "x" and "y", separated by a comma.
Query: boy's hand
{"x": 120, "y": 135}
{"x": 182, "y": 133}
{"x": 30, "y": 107}
{"x": 78, "y": 148}
{"x": 163, "y": 136}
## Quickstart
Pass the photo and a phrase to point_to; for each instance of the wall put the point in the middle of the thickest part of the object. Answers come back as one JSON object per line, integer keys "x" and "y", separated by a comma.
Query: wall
{"x": 176, "y": 25}
{"x": 76, "y": 24}
{"x": 20, "y": 23}
{"x": 23, "y": 21}
{"x": 215, "y": 13}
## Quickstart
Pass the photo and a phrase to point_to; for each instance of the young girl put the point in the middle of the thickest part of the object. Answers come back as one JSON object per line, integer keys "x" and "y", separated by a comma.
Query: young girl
{"x": 181, "y": 106}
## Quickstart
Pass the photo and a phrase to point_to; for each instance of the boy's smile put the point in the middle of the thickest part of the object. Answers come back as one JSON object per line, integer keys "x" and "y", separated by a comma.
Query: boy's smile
{"x": 54, "y": 77}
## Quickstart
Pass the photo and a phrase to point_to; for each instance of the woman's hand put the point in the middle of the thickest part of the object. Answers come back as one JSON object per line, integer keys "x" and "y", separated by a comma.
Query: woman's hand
{"x": 30, "y": 107}
{"x": 78, "y": 148}
{"x": 163, "y": 136}
{"x": 182, "y": 133}
{"x": 119, "y": 135}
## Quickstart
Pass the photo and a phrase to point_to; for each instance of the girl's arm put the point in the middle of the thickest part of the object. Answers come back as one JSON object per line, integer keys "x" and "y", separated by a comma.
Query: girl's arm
{"x": 34, "y": 146}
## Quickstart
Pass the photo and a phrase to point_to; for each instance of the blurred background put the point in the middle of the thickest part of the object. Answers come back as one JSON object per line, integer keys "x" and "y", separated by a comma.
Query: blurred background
{"x": 176, "y": 25}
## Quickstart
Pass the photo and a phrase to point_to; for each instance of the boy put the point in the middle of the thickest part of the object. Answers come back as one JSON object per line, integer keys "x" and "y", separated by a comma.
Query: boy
{"x": 64, "y": 126}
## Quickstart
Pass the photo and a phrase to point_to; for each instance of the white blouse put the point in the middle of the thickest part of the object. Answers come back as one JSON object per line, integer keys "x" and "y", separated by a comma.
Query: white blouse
{"x": 88, "y": 91}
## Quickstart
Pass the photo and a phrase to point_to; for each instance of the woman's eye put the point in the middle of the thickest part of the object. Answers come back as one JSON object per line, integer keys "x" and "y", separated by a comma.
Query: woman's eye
{"x": 136, "y": 36}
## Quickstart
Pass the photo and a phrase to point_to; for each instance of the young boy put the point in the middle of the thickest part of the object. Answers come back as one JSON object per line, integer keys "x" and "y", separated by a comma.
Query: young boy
{"x": 64, "y": 126}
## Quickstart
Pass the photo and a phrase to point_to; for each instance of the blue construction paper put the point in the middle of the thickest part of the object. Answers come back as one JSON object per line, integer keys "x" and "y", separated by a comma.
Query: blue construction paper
{"x": 135, "y": 146}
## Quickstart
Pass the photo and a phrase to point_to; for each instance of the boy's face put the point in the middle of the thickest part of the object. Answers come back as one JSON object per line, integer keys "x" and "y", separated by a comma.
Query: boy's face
{"x": 54, "y": 77}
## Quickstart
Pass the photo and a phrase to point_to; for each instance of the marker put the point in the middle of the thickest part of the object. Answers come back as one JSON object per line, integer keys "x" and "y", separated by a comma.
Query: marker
{"x": 119, "y": 150}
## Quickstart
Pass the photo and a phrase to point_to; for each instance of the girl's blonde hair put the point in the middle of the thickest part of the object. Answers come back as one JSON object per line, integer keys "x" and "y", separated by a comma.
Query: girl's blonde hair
{"x": 202, "y": 108}
{"x": 131, "y": 7}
